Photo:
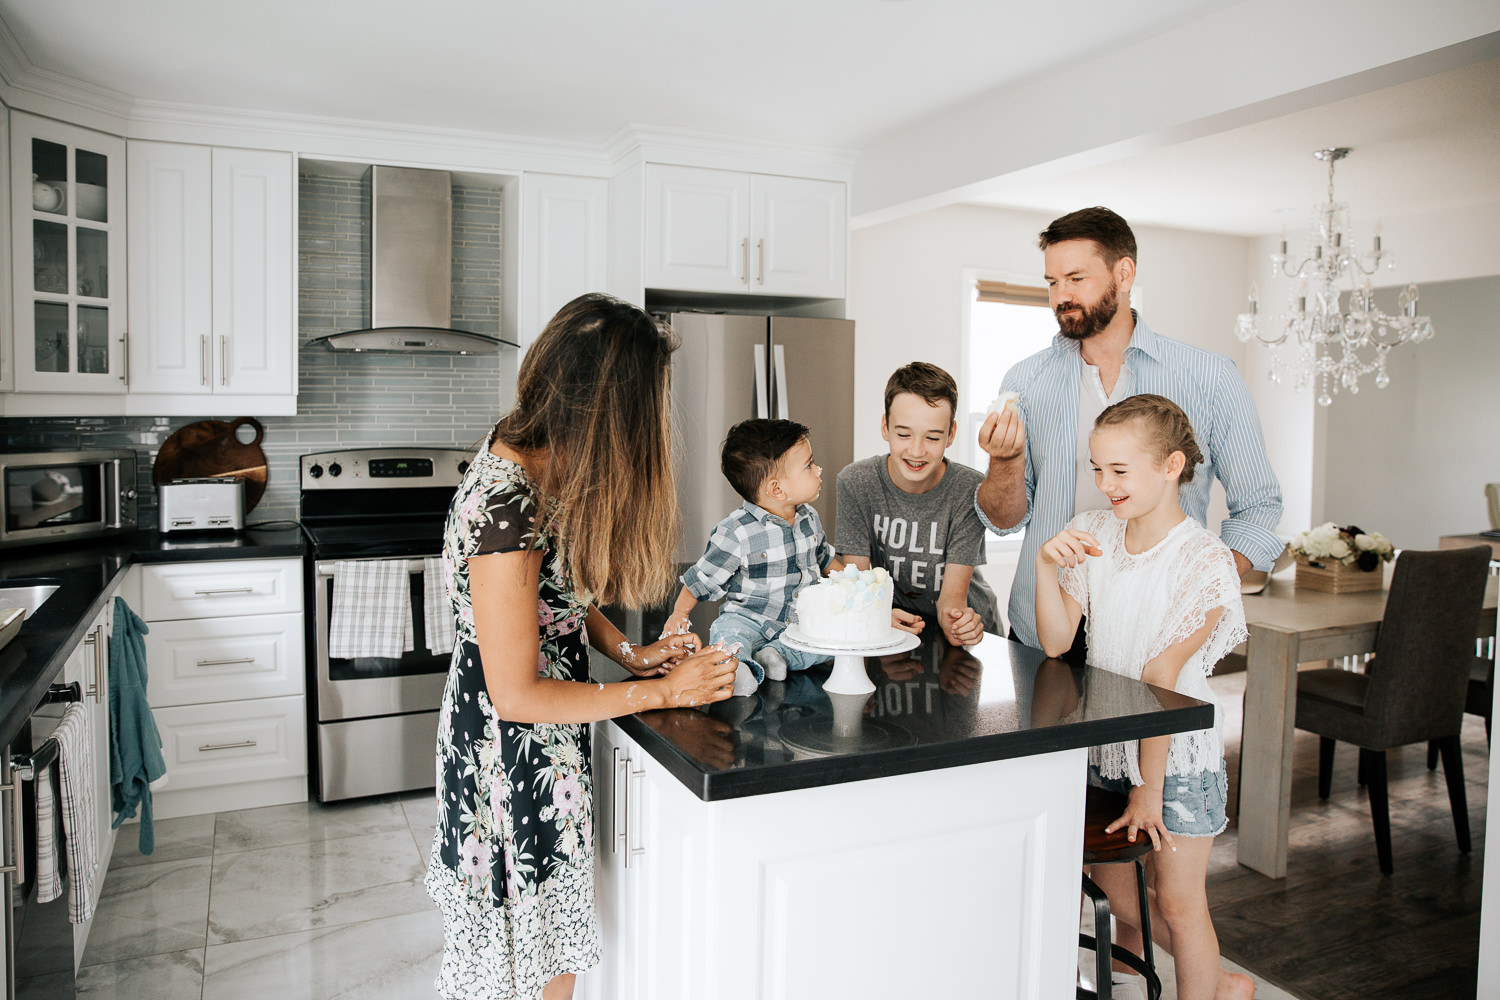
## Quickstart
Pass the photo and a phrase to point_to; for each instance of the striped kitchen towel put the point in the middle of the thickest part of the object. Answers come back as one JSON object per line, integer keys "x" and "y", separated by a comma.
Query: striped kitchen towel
{"x": 437, "y": 612}
{"x": 75, "y": 770}
{"x": 371, "y": 613}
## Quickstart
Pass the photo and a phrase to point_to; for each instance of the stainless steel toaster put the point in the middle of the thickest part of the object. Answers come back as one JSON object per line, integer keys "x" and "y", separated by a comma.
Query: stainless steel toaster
{"x": 216, "y": 504}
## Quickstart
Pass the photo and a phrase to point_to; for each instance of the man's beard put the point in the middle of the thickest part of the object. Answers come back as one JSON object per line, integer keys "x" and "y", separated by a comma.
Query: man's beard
{"x": 1090, "y": 319}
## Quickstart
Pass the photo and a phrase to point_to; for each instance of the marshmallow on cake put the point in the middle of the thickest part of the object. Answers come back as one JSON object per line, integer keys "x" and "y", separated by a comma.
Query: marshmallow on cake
{"x": 852, "y": 606}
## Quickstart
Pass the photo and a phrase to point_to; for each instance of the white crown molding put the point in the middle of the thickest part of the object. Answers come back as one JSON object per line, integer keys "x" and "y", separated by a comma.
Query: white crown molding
{"x": 636, "y": 143}
{"x": 27, "y": 87}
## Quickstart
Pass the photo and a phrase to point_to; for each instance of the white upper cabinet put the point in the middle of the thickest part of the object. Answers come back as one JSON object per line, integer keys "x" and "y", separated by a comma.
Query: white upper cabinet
{"x": 211, "y": 273}
{"x": 564, "y": 226}
{"x": 758, "y": 234}
{"x": 67, "y": 197}
{"x": 799, "y": 228}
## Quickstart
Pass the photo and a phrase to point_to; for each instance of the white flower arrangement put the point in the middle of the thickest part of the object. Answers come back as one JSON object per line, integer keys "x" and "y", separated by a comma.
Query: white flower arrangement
{"x": 1349, "y": 545}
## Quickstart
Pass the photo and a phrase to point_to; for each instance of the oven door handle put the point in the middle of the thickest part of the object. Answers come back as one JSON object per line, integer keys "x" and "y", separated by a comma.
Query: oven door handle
{"x": 325, "y": 569}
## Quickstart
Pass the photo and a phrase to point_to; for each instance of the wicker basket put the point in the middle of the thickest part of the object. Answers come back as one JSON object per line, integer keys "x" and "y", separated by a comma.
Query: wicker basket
{"x": 1336, "y": 578}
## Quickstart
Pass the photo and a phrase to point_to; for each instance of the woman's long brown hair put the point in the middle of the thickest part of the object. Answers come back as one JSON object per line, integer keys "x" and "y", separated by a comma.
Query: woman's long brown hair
{"x": 593, "y": 395}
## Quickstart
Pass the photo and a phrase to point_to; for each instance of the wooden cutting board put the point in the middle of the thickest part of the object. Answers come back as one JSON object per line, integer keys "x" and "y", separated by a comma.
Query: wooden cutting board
{"x": 210, "y": 449}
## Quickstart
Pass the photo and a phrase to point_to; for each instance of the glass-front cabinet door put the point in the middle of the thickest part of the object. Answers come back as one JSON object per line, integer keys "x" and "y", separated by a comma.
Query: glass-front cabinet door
{"x": 68, "y": 257}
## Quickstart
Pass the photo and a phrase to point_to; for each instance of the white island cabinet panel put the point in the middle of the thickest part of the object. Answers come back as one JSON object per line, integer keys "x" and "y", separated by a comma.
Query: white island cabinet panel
{"x": 786, "y": 896}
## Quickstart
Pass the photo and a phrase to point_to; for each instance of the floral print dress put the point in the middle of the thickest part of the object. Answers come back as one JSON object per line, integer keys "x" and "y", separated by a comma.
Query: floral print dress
{"x": 512, "y": 866}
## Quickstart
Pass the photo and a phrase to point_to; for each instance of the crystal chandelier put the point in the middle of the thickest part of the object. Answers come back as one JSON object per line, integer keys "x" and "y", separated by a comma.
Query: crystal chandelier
{"x": 1317, "y": 339}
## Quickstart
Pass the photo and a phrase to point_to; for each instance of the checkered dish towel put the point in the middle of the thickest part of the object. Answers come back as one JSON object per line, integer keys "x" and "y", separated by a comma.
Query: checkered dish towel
{"x": 371, "y": 614}
{"x": 437, "y": 613}
{"x": 75, "y": 769}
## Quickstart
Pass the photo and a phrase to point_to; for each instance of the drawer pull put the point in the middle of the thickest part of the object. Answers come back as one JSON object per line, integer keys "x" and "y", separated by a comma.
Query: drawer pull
{"x": 226, "y": 590}
{"x": 226, "y": 746}
{"x": 220, "y": 663}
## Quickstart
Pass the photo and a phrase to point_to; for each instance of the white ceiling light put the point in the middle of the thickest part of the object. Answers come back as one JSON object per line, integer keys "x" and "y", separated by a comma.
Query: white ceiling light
{"x": 1318, "y": 339}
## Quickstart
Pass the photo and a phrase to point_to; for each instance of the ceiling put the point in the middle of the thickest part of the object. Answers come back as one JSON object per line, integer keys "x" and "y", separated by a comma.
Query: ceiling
{"x": 837, "y": 74}
{"x": 1430, "y": 145}
{"x": 830, "y": 73}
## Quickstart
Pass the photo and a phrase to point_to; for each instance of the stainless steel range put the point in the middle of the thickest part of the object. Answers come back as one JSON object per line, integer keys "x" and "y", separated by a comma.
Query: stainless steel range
{"x": 374, "y": 718}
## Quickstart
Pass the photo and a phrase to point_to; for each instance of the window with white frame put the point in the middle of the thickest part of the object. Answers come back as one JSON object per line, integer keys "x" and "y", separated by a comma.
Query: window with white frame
{"x": 1006, "y": 323}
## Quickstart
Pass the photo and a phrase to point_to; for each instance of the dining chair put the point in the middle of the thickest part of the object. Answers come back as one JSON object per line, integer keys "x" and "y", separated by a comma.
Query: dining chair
{"x": 1414, "y": 687}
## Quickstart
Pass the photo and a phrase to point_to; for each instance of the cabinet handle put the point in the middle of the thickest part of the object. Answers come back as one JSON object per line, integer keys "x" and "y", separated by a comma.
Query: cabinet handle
{"x": 125, "y": 371}
{"x": 620, "y": 774}
{"x": 96, "y": 689}
{"x": 226, "y": 746}
{"x": 203, "y": 359}
{"x": 225, "y": 590}
{"x": 223, "y": 360}
{"x": 631, "y": 852}
{"x": 13, "y": 830}
{"x": 745, "y": 253}
{"x": 220, "y": 663}
{"x": 760, "y": 259}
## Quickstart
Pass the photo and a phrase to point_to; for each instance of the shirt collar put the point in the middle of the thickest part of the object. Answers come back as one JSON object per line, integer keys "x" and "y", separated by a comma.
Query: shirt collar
{"x": 766, "y": 517}
{"x": 1142, "y": 339}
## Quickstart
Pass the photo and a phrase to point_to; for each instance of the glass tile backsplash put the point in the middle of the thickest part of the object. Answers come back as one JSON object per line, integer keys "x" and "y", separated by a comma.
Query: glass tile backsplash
{"x": 343, "y": 401}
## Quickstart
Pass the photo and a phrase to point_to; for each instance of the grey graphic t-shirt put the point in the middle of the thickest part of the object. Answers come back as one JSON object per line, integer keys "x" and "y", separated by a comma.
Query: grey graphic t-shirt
{"x": 915, "y": 536}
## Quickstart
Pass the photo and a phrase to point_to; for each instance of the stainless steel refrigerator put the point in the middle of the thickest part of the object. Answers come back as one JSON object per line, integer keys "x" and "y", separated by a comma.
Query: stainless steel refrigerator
{"x": 733, "y": 368}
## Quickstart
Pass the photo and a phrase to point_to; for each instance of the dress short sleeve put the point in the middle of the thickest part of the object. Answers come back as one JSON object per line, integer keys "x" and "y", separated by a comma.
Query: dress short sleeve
{"x": 501, "y": 521}
{"x": 1205, "y": 580}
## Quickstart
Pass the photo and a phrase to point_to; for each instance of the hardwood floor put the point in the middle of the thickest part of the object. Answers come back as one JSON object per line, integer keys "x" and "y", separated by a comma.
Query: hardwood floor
{"x": 1335, "y": 927}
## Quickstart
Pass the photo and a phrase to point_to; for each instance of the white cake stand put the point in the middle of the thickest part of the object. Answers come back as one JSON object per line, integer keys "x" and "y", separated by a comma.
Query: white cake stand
{"x": 849, "y": 676}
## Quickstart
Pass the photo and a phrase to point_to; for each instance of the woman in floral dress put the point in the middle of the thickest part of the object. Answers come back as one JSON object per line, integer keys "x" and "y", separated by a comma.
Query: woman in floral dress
{"x": 571, "y": 499}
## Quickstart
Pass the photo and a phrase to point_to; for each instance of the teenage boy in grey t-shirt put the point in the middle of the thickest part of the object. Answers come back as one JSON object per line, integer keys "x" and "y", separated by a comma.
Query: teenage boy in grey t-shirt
{"x": 912, "y": 511}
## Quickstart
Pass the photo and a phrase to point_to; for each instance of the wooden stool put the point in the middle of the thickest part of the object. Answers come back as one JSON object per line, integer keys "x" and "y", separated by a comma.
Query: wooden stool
{"x": 1099, "y": 848}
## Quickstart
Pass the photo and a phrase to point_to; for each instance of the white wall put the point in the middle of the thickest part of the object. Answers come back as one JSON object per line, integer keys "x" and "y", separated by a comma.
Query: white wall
{"x": 907, "y": 292}
{"x": 1411, "y": 460}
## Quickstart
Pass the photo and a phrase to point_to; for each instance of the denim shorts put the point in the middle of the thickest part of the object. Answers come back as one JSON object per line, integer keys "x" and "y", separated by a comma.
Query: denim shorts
{"x": 1192, "y": 805}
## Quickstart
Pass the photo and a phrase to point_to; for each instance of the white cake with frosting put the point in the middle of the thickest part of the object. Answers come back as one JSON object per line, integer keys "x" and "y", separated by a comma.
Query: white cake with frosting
{"x": 850, "y": 607}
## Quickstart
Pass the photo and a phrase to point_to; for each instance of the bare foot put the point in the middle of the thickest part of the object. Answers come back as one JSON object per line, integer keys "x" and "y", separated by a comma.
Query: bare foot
{"x": 1234, "y": 986}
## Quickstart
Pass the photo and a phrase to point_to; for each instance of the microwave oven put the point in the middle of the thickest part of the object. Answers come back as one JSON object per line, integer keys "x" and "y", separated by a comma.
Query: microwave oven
{"x": 54, "y": 496}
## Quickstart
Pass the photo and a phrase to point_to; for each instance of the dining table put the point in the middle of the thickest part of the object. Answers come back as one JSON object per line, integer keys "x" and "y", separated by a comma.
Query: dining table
{"x": 1289, "y": 625}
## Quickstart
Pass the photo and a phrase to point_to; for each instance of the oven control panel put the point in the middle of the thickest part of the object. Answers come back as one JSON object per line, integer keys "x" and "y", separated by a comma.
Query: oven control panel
{"x": 384, "y": 468}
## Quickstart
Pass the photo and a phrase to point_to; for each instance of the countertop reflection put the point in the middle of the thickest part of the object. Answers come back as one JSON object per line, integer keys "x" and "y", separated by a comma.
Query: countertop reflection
{"x": 936, "y": 706}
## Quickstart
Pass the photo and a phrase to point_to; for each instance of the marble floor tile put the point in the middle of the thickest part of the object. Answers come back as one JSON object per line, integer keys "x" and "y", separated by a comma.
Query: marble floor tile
{"x": 150, "y": 909}
{"x": 305, "y": 822}
{"x": 387, "y": 959}
{"x": 277, "y": 890}
{"x": 176, "y": 975}
{"x": 186, "y": 837}
{"x": 421, "y": 816}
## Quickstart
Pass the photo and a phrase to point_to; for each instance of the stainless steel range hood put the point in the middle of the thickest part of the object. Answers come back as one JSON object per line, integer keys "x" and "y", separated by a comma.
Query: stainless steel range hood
{"x": 411, "y": 270}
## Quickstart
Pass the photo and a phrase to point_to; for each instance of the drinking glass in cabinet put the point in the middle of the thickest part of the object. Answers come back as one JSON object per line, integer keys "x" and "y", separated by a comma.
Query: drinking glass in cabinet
{"x": 93, "y": 261}
{"x": 90, "y": 185}
{"x": 51, "y": 350}
{"x": 93, "y": 340}
{"x": 49, "y": 177}
{"x": 50, "y": 256}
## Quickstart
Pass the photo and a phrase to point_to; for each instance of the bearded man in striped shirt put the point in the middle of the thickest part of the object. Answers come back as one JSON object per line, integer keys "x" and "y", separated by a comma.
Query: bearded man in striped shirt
{"x": 1039, "y": 474}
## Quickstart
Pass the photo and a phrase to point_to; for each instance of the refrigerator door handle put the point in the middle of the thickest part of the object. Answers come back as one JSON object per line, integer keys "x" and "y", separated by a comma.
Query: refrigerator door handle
{"x": 762, "y": 408}
{"x": 782, "y": 406}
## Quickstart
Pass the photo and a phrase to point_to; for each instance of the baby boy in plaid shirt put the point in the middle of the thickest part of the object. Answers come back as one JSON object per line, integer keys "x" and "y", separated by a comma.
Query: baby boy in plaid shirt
{"x": 764, "y": 552}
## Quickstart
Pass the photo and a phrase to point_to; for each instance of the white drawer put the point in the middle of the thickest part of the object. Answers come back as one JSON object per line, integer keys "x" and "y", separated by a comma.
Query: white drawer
{"x": 231, "y": 742}
{"x": 220, "y": 589}
{"x": 197, "y": 660}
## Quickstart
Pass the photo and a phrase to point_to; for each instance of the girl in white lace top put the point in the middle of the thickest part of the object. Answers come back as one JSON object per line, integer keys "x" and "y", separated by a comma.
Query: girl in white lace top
{"x": 1160, "y": 597}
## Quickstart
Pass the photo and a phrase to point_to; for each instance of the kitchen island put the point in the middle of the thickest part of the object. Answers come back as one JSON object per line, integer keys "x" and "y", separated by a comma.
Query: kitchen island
{"x": 924, "y": 840}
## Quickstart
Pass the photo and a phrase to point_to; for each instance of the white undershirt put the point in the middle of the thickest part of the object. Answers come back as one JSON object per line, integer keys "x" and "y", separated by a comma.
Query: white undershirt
{"x": 1092, "y": 401}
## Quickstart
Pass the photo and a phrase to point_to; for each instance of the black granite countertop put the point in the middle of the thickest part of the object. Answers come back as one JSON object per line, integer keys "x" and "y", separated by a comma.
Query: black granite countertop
{"x": 86, "y": 573}
{"x": 936, "y": 706}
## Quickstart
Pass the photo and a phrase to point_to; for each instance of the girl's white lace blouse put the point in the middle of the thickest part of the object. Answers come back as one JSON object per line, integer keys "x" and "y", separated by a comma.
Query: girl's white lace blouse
{"x": 1138, "y": 605}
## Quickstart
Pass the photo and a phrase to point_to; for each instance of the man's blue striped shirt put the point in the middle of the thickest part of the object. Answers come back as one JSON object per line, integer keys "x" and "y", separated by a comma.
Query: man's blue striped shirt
{"x": 1216, "y": 399}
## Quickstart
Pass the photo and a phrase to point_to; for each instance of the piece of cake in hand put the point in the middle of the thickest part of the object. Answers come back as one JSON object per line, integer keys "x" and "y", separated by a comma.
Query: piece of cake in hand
{"x": 1007, "y": 400}
{"x": 852, "y": 606}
